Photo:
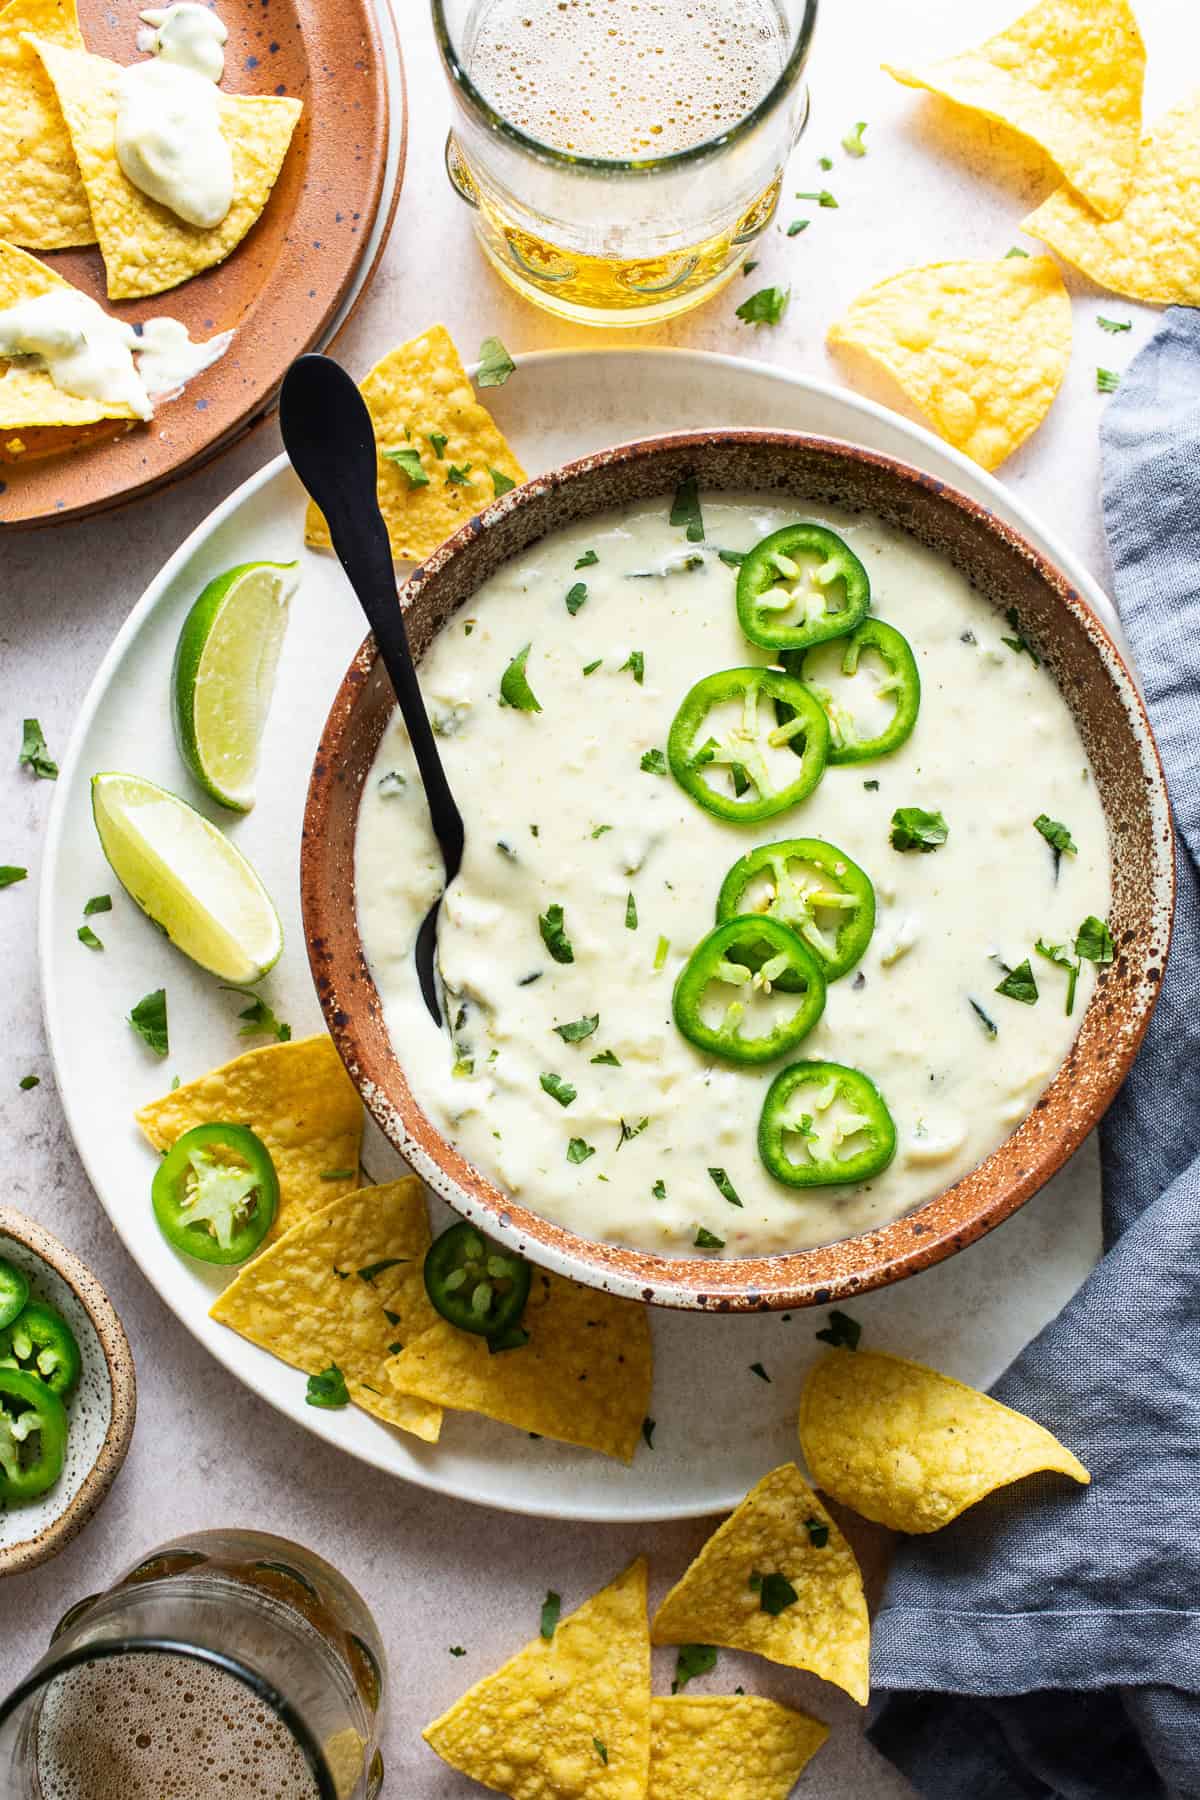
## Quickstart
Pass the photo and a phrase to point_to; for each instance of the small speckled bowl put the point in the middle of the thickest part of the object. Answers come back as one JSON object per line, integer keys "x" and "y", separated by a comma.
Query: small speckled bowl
{"x": 101, "y": 1409}
{"x": 1093, "y": 681}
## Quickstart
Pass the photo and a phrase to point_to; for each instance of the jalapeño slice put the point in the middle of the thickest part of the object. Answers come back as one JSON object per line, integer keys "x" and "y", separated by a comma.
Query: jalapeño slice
{"x": 41, "y": 1343}
{"x": 14, "y": 1291}
{"x": 738, "y": 963}
{"x": 33, "y": 1437}
{"x": 823, "y": 1124}
{"x": 215, "y": 1193}
{"x": 742, "y": 749}
{"x": 801, "y": 586}
{"x": 814, "y": 889}
{"x": 901, "y": 683}
{"x": 474, "y": 1283}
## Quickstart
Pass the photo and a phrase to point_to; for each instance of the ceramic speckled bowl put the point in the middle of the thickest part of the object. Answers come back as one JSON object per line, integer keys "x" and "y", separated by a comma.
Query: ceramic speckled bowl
{"x": 101, "y": 1410}
{"x": 1097, "y": 688}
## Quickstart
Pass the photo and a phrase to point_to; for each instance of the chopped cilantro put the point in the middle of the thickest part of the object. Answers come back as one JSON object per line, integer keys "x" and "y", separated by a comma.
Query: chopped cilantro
{"x": 915, "y": 829}
{"x": 748, "y": 268}
{"x": 631, "y": 922}
{"x": 578, "y": 1150}
{"x": 775, "y": 1593}
{"x": 818, "y": 1533}
{"x": 707, "y": 1240}
{"x": 514, "y": 687}
{"x": 724, "y": 1186}
{"x": 825, "y": 162}
{"x": 149, "y": 1020}
{"x": 601, "y": 1749}
{"x": 661, "y": 952}
{"x": 635, "y": 661}
{"x": 659, "y": 1190}
{"x": 495, "y": 364}
{"x": 1017, "y": 643}
{"x": 576, "y": 597}
{"x": 578, "y": 1029}
{"x": 99, "y": 903}
{"x": 29, "y": 1081}
{"x": 757, "y": 1369}
{"x": 409, "y": 462}
{"x": 609, "y": 1058}
{"x": 686, "y": 510}
{"x": 338, "y": 1175}
{"x": 692, "y": 1660}
{"x": 823, "y": 197}
{"x": 437, "y": 443}
{"x": 260, "y": 1018}
{"x": 1015, "y": 251}
{"x": 842, "y": 1332}
{"x": 590, "y": 668}
{"x": 1094, "y": 941}
{"x": 457, "y": 1650}
{"x": 377, "y": 1268}
{"x": 457, "y": 473}
{"x": 550, "y": 924}
{"x": 628, "y": 1132}
{"x": 1107, "y": 381}
{"x": 10, "y": 874}
{"x": 551, "y": 1608}
{"x": 34, "y": 755}
{"x": 1056, "y": 835}
{"x": 1019, "y": 984}
{"x": 588, "y": 560}
{"x": 501, "y": 483}
{"x": 1057, "y": 954}
{"x": 872, "y": 787}
{"x": 327, "y": 1390}
{"x": 654, "y": 762}
{"x": 852, "y": 143}
{"x": 733, "y": 559}
{"x": 87, "y": 936}
{"x": 797, "y": 226}
{"x": 766, "y": 307}
{"x": 985, "y": 1019}
{"x": 558, "y": 1089}
{"x": 1114, "y": 325}
{"x": 649, "y": 1426}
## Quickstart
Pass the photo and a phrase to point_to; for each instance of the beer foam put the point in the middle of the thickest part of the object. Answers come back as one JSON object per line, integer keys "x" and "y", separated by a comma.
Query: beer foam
{"x": 625, "y": 78}
{"x": 162, "y": 1727}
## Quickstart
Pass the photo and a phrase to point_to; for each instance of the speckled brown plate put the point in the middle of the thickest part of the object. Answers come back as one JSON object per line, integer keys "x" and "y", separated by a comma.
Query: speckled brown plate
{"x": 1107, "y": 709}
{"x": 282, "y": 287}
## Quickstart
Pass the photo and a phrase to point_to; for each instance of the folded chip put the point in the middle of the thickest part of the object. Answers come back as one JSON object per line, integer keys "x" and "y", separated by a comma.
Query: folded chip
{"x": 43, "y": 205}
{"x": 566, "y": 1716}
{"x": 1068, "y": 75}
{"x": 584, "y": 1377}
{"x": 1152, "y": 251}
{"x": 444, "y": 447}
{"x": 300, "y": 1101}
{"x": 344, "y": 1287}
{"x": 728, "y": 1747}
{"x": 911, "y": 1448}
{"x": 978, "y": 349}
{"x": 146, "y": 249}
{"x": 779, "y": 1579}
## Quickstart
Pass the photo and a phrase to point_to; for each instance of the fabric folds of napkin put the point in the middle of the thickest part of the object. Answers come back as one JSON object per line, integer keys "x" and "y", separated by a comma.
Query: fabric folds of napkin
{"x": 1046, "y": 1646}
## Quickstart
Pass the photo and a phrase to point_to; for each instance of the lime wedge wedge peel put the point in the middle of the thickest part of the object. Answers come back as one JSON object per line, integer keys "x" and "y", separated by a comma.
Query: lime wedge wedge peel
{"x": 224, "y": 676}
{"x": 187, "y": 877}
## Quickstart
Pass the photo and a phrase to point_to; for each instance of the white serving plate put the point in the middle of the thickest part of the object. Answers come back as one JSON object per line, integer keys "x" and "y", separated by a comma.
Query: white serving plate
{"x": 719, "y": 1427}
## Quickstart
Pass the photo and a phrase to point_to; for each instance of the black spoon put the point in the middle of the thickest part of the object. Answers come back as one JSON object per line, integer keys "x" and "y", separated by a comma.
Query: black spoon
{"x": 328, "y": 435}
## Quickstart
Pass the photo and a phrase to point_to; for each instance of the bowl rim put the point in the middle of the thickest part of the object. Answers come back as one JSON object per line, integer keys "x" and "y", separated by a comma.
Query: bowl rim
{"x": 16, "y": 1559}
{"x": 690, "y": 1283}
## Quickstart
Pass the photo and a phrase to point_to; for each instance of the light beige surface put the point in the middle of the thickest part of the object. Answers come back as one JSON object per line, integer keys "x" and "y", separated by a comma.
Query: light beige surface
{"x": 436, "y": 1572}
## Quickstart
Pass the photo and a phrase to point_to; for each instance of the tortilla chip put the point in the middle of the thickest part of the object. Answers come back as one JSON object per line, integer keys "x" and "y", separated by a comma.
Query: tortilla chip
{"x": 979, "y": 349}
{"x": 146, "y": 249}
{"x": 317, "y": 1296}
{"x": 728, "y": 1747}
{"x": 1067, "y": 74}
{"x": 42, "y": 201}
{"x": 302, "y": 1104}
{"x": 571, "y": 1716}
{"x": 1152, "y": 252}
{"x": 911, "y": 1448}
{"x": 583, "y": 1378}
{"x": 419, "y": 391}
{"x": 826, "y": 1629}
{"x": 36, "y": 417}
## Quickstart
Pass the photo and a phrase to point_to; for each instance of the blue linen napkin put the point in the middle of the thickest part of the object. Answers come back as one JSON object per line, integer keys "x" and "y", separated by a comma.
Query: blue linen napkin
{"x": 1046, "y": 1646}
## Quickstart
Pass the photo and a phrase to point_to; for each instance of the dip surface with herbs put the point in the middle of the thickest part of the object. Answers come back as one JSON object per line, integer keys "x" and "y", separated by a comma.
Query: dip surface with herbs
{"x": 591, "y": 875}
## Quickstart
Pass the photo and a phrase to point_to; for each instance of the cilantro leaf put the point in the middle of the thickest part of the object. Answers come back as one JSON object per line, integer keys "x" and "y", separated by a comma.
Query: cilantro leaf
{"x": 409, "y": 461}
{"x": 437, "y": 443}
{"x": 1059, "y": 956}
{"x": 797, "y": 226}
{"x": 628, "y": 1132}
{"x": 590, "y": 668}
{"x": 686, "y": 510}
{"x": 733, "y": 559}
{"x": 601, "y": 1750}
{"x": 766, "y": 307}
{"x": 10, "y": 874}
{"x": 707, "y": 1240}
{"x": 578, "y": 1029}
{"x": 29, "y": 1081}
{"x": 1019, "y": 984}
{"x": 501, "y": 483}
{"x": 659, "y": 1190}
{"x": 576, "y": 597}
{"x": 377, "y": 1268}
{"x": 842, "y": 1332}
{"x": 495, "y": 364}
{"x": 87, "y": 936}
{"x": 1015, "y": 251}
{"x": 34, "y": 755}
{"x": 588, "y": 560}
{"x": 915, "y": 829}
{"x": 149, "y": 1020}
{"x": 99, "y": 903}
{"x": 757, "y": 1369}
{"x": 550, "y": 924}
{"x": 1056, "y": 835}
{"x": 609, "y": 1058}
{"x": 823, "y": 197}
{"x": 635, "y": 661}
{"x": 692, "y": 1660}
{"x": 260, "y": 1018}
{"x": 818, "y": 1533}
{"x": 551, "y": 1608}
{"x": 654, "y": 762}
{"x": 775, "y": 1593}
{"x": 852, "y": 143}
{"x": 1017, "y": 643}
{"x": 985, "y": 1019}
{"x": 514, "y": 687}
{"x": 327, "y": 1390}
{"x": 457, "y": 473}
{"x": 1094, "y": 941}
{"x": 631, "y": 913}
{"x": 578, "y": 1150}
{"x": 724, "y": 1186}
{"x": 558, "y": 1089}
{"x": 1114, "y": 325}
{"x": 1107, "y": 381}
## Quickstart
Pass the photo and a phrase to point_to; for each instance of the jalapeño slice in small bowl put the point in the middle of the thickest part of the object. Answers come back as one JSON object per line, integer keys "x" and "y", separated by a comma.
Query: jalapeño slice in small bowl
{"x": 724, "y": 998}
{"x": 801, "y": 586}
{"x": 899, "y": 687}
{"x": 475, "y": 1283}
{"x": 215, "y": 1193}
{"x": 33, "y": 1437}
{"x": 823, "y": 1124}
{"x": 729, "y": 752}
{"x": 41, "y": 1343}
{"x": 813, "y": 888}
{"x": 14, "y": 1291}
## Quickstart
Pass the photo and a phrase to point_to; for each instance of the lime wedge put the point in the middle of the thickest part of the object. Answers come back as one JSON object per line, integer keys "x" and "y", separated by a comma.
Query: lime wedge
{"x": 187, "y": 877}
{"x": 224, "y": 675}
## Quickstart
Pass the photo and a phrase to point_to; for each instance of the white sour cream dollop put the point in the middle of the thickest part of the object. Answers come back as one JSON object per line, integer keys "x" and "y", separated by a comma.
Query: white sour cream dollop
{"x": 190, "y": 35}
{"x": 168, "y": 132}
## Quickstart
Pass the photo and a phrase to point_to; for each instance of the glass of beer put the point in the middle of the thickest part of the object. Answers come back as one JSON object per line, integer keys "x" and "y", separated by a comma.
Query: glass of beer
{"x": 621, "y": 155}
{"x": 228, "y": 1665}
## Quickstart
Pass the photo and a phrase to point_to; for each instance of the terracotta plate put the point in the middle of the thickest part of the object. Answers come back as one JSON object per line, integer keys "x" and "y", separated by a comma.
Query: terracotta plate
{"x": 282, "y": 287}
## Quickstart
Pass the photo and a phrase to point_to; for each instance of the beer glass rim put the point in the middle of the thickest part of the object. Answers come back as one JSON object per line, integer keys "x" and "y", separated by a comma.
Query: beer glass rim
{"x": 54, "y": 1664}
{"x": 647, "y": 165}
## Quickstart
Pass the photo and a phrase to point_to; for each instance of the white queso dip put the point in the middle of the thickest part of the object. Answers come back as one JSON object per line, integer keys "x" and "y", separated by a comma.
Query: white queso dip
{"x": 604, "y": 1061}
